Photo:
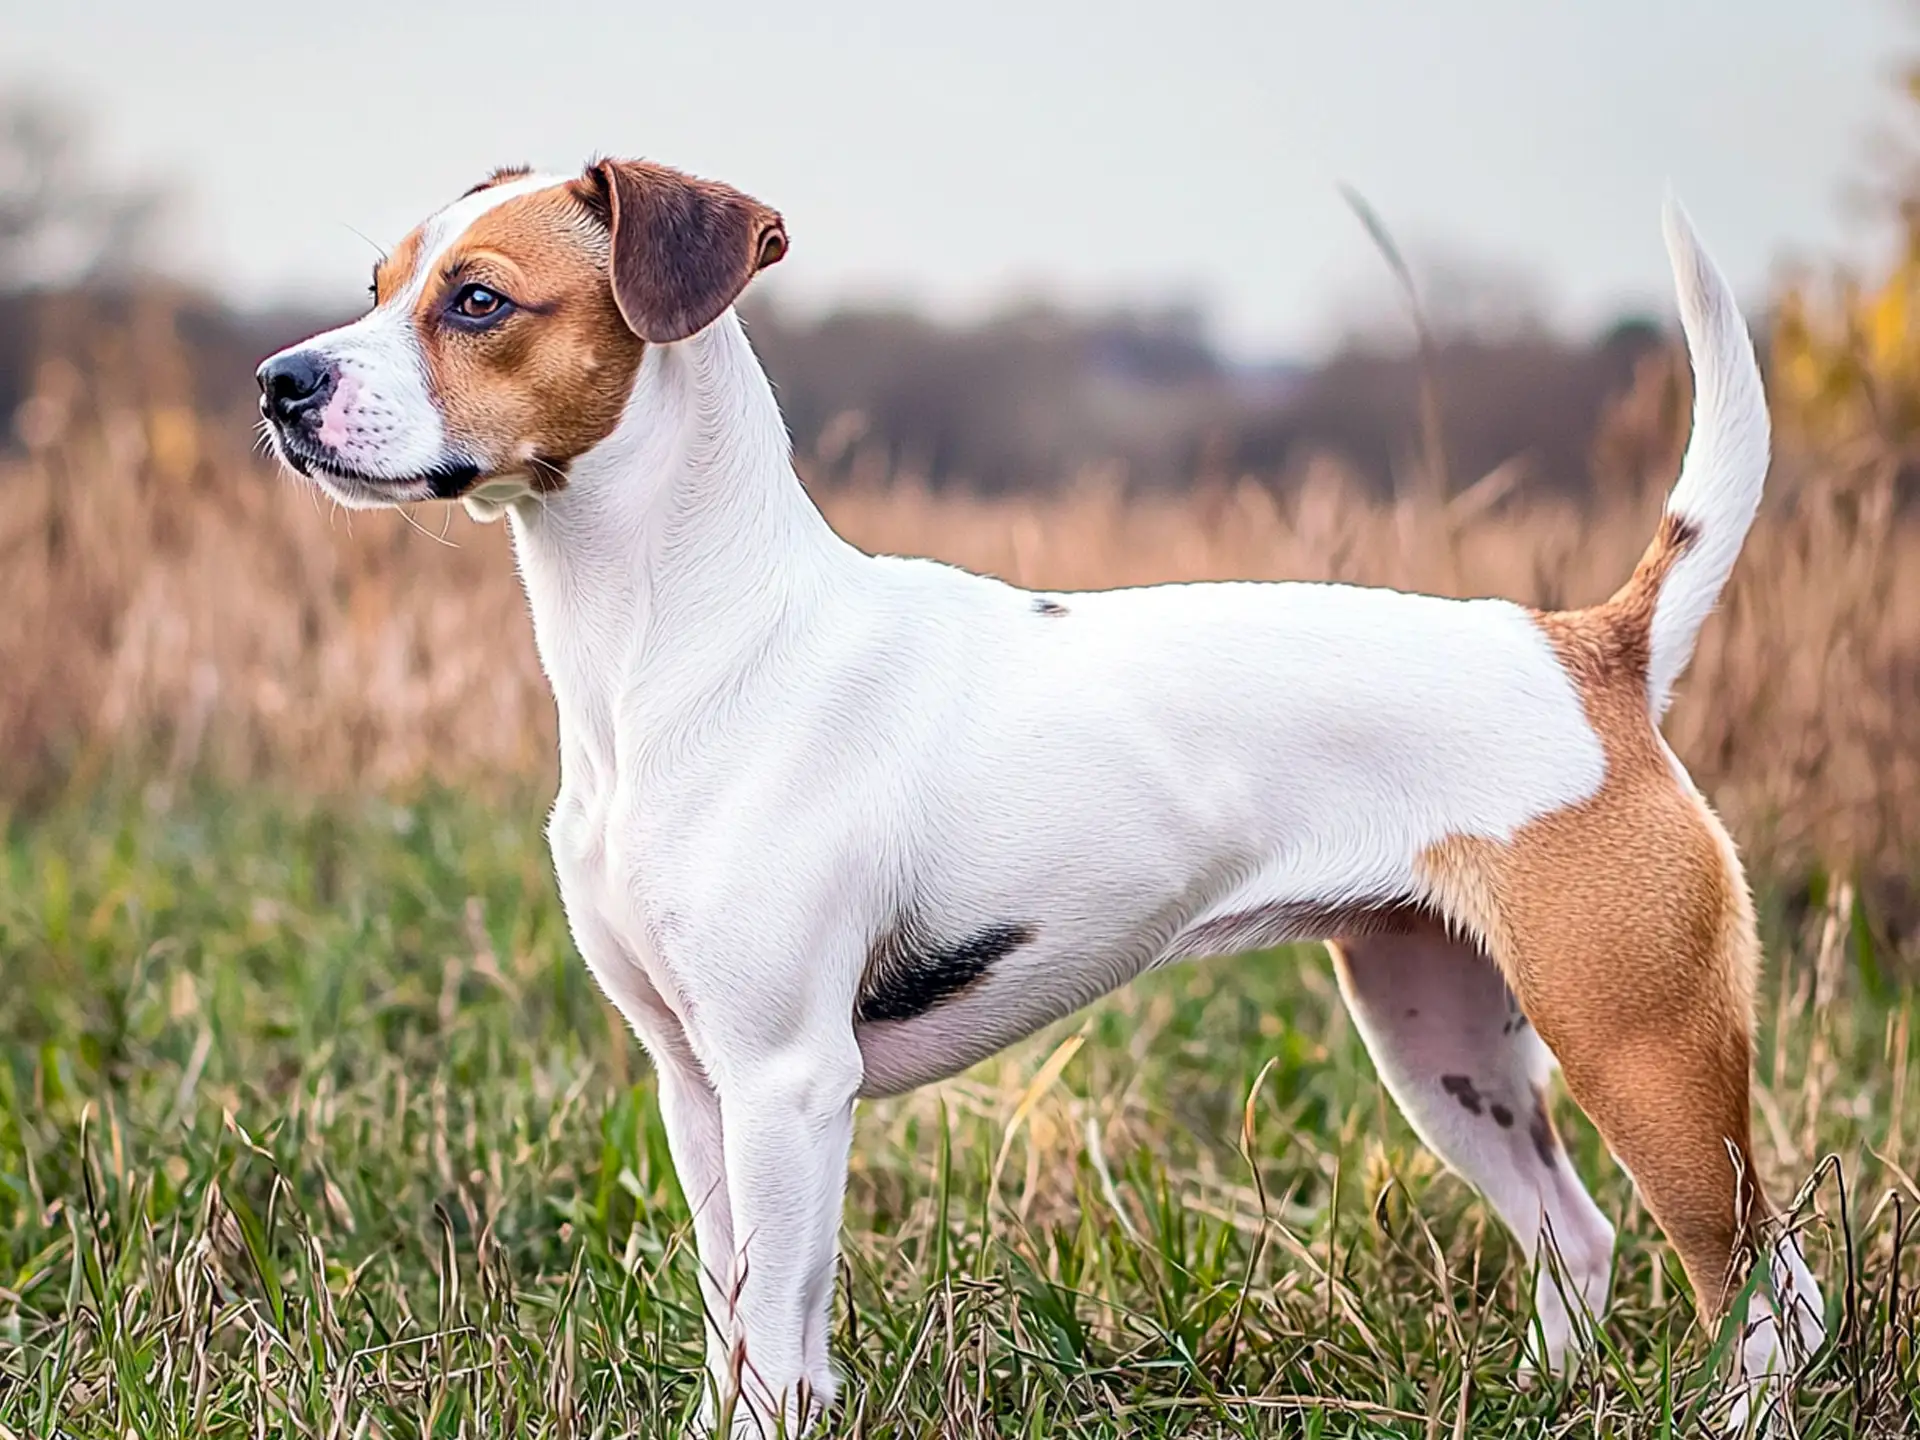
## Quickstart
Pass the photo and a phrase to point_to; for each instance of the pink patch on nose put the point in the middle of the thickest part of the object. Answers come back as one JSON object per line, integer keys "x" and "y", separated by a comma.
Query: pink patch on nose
{"x": 333, "y": 420}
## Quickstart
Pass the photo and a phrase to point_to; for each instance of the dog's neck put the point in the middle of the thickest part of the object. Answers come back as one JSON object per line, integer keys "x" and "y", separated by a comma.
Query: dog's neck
{"x": 677, "y": 546}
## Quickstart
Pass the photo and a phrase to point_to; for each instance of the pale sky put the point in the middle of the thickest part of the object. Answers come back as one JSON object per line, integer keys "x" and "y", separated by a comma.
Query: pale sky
{"x": 955, "y": 156}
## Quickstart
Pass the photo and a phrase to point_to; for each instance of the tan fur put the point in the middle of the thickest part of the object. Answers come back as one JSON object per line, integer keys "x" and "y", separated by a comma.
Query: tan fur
{"x": 396, "y": 267}
{"x": 551, "y": 379}
{"x": 501, "y": 176}
{"x": 1624, "y": 927}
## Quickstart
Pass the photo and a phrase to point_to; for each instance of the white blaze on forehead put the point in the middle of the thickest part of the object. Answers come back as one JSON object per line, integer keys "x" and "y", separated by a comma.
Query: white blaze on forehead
{"x": 383, "y": 418}
{"x": 444, "y": 229}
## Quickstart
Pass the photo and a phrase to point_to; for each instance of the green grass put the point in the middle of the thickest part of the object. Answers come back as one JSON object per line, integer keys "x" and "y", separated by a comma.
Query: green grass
{"x": 311, "y": 1124}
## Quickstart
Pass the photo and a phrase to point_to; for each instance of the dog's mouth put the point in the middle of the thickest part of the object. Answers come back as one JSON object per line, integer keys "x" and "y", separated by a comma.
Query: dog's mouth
{"x": 447, "y": 481}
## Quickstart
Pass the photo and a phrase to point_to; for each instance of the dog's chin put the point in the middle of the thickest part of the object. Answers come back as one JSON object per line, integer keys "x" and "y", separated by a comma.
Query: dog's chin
{"x": 358, "y": 493}
{"x": 358, "y": 490}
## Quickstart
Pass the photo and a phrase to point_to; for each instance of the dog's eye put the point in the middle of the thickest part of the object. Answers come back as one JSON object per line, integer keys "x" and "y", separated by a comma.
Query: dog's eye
{"x": 477, "y": 302}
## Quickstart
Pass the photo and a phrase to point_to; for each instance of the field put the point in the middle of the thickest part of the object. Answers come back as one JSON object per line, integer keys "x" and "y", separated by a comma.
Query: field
{"x": 312, "y": 1124}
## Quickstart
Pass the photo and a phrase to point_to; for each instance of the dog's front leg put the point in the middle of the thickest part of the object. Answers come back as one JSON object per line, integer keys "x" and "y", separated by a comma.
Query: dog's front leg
{"x": 690, "y": 1114}
{"x": 787, "y": 1117}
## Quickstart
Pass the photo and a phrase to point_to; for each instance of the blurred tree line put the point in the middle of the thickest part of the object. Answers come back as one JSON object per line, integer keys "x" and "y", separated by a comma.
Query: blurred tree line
{"x": 1024, "y": 399}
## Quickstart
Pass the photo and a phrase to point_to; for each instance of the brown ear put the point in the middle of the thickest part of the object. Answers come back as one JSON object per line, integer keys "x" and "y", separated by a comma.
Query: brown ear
{"x": 683, "y": 249}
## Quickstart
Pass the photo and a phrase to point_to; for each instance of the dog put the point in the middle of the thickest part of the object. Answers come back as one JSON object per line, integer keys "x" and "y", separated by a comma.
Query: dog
{"x": 834, "y": 825}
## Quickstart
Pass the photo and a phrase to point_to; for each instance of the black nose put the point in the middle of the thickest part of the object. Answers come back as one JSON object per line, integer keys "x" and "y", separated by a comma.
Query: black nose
{"x": 292, "y": 385}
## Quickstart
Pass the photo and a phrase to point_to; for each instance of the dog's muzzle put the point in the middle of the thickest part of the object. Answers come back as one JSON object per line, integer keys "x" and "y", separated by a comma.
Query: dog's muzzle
{"x": 295, "y": 391}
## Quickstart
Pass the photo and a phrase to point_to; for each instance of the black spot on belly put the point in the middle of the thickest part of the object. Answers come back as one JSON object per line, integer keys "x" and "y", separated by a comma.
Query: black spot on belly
{"x": 907, "y": 975}
{"x": 1462, "y": 1088}
{"x": 1043, "y": 606}
{"x": 1540, "y": 1130}
{"x": 1502, "y": 1116}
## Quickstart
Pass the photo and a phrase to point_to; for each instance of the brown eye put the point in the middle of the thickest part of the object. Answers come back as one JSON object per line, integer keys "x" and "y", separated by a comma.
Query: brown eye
{"x": 476, "y": 304}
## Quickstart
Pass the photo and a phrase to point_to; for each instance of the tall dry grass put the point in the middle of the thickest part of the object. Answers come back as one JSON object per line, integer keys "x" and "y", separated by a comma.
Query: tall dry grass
{"x": 176, "y": 606}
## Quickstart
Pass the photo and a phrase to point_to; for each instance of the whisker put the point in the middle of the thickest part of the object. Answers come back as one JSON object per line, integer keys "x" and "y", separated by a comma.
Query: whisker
{"x": 378, "y": 248}
{"x": 406, "y": 514}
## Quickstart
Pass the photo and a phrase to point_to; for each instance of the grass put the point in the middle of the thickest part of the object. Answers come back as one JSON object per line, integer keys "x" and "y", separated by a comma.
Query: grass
{"x": 311, "y": 1124}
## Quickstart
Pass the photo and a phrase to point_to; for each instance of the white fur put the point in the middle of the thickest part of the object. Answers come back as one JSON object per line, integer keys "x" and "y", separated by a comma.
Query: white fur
{"x": 1768, "y": 1352}
{"x": 1726, "y": 462}
{"x": 777, "y": 750}
{"x": 1469, "y": 1073}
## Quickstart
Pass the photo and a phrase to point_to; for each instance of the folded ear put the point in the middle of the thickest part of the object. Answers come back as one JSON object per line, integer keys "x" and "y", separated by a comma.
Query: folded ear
{"x": 682, "y": 249}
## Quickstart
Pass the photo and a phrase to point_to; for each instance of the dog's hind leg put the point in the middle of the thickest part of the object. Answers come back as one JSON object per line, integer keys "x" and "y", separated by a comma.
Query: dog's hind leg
{"x": 1469, "y": 1074}
{"x": 1624, "y": 928}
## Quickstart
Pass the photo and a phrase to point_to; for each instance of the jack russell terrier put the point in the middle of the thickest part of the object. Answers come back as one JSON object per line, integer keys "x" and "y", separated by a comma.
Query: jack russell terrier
{"x": 833, "y": 824}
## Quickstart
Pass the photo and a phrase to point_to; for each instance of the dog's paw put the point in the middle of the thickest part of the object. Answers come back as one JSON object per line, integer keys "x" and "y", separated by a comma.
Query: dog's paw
{"x": 742, "y": 1419}
{"x": 1752, "y": 1411}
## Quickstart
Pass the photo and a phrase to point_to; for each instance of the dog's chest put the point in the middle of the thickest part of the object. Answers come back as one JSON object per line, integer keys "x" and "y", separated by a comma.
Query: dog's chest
{"x": 604, "y": 908}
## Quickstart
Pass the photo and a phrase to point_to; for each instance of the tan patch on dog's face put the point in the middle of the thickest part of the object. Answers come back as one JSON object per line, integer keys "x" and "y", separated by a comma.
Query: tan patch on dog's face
{"x": 396, "y": 268}
{"x": 547, "y": 379}
{"x": 504, "y": 175}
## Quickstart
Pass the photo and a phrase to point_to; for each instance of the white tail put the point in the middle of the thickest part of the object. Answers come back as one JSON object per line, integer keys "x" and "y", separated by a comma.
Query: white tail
{"x": 1713, "y": 502}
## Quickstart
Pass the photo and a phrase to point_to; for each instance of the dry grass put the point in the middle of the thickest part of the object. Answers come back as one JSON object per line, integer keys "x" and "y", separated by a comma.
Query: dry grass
{"x": 174, "y": 603}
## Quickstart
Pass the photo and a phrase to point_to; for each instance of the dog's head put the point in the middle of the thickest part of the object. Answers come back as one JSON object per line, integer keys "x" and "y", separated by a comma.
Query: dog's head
{"x": 506, "y": 332}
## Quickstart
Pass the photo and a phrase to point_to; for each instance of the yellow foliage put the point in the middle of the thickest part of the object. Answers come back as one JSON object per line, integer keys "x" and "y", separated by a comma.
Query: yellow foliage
{"x": 1846, "y": 353}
